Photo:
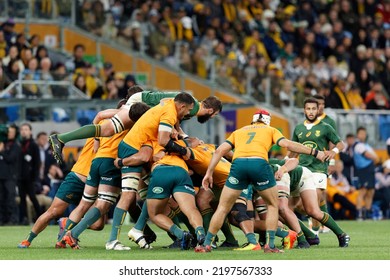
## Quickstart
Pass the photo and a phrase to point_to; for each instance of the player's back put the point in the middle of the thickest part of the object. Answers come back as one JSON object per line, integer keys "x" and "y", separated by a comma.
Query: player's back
{"x": 254, "y": 140}
{"x": 109, "y": 145}
{"x": 146, "y": 128}
{"x": 85, "y": 158}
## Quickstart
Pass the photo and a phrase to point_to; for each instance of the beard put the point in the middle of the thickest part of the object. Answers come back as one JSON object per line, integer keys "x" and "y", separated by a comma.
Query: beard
{"x": 311, "y": 120}
{"x": 204, "y": 118}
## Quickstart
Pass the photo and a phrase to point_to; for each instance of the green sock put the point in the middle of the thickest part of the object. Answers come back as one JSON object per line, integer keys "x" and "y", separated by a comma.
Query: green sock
{"x": 84, "y": 132}
{"x": 117, "y": 222}
{"x": 90, "y": 217}
{"x": 176, "y": 231}
{"x": 308, "y": 233}
{"x": 324, "y": 207}
{"x": 251, "y": 237}
{"x": 142, "y": 219}
{"x": 31, "y": 236}
{"x": 301, "y": 237}
{"x": 174, "y": 218}
{"x": 68, "y": 226}
{"x": 209, "y": 238}
{"x": 281, "y": 232}
{"x": 228, "y": 232}
{"x": 207, "y": 214}
{"x": 199, "y": 231}
{"x": 328, "y": 221}
{"x": 271, "y": 238}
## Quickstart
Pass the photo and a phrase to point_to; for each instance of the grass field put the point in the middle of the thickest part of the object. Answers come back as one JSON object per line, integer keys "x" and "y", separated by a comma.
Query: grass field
{"x": 369, "y": 241}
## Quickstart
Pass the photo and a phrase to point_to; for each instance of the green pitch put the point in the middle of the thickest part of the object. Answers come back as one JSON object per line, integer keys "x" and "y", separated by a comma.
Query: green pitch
{"x": 369, "y": 241}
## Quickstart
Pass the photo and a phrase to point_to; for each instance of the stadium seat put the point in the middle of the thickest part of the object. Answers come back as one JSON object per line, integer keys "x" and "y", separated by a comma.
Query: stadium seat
{"x": 12, "y": 113}
{"x": 384, "y": 127}
{"x": 60, "y": 115}
{"x": 85, "y": 117}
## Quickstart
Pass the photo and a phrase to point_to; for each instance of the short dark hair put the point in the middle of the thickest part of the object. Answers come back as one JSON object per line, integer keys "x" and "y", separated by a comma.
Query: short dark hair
{"x": 319, "y": 97}
{"x": 350, "y": 135}
{"x": 41, "y": 133}
{"x": 310, "y": 100}
{"x": 137, "y": 110}
{"x": 213, "y": 102}
{"x": 184, "y": 97}
{"x": 121, "y": 103}
{"x": 78, "y": 46}
{"x": 360, "y": 128}
{"x": 132, "y": 90}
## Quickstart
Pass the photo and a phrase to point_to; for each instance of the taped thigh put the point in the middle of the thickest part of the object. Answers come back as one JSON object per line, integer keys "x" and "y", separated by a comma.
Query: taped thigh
{"x": 109, "y": 197}
{"x": 130, "y": 183}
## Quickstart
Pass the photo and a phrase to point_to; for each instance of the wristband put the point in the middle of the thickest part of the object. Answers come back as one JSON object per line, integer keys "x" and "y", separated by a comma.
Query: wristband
{"x": 315, "y": 153}
{"x": 336, "y": 150}
{"x": 311, "y": 151}
{"x": 120, "y": 162}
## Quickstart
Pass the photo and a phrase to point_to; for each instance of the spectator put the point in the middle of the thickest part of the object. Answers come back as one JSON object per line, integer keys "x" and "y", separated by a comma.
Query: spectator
{"x": 34, "y": 42}
{"x": 31, "y": 74}
{"x": 108, "y": 71}
{"x": 120, "y": 84}
{"x": 341, "y": 194}
{"x": 3, "y": 45}
{"x": 13, "y": 69}
{"x": 13, "y": 54}
{"x": 376, "y": 98}
{"x": 78, "y": 56}
{"x": 29, "y": 178}
{"x": 10, "y": 155}
{"x": 4, "y": 79}
{"x": 79, "y": 83}
{"x": 161, "y": 43}
{"x": 42, "y": 52}
{"x": 60, "y": 74}
{"x": 9, "y": 33}
{"x": 382, "y": 188}
{"x": 25, "y": 56}
{"x": 365, "y": 159}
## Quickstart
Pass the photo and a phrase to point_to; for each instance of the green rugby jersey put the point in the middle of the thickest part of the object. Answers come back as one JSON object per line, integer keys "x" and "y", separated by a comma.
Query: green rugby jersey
{"x": 326, "y": 119}
{"x": 295, "y": 174}
{"x": 153, "y": 98}
{"x": 315, "y": 135}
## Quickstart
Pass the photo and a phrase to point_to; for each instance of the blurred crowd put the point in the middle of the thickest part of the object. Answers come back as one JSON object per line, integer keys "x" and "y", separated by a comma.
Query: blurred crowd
{"x": 286, "y": 50}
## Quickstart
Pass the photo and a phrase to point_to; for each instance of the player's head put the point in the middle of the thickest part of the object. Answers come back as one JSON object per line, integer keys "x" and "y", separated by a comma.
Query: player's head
{"x": 184, "y": 104}
{"x": 212, "y": 106}
{"x": 310, "y": 108}
{"x": 262, "y": 116}
{"x": 137, "y": 110}
{"x": 321, "y": 103}
{"x": 132, "y": 90}
{"x": 121, "y": 103}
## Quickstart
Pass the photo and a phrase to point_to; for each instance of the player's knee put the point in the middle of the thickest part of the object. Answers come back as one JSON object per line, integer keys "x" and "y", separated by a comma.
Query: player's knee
{"x": 130, "y": 183}
{"x": 239, "y": 213}
{"x": 108, "y": 197}
{"x": 90, "y": 198}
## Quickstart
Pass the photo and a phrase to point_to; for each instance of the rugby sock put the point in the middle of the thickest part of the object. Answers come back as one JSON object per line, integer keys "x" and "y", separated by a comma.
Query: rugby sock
{"x": 199, "y": 231}
{"x": 301, "y": 237}
{"x": 117, "y": 221}
{"x": 143, "y": 218}
{"x": 207, "y": 214}
{"x": 281, "y": 232}
{"x": 84, "y": 132}
{"x": 271, "y": 238}
{"x": 174, "y": 218}
{"x": 31, "y": 236}
{"x": 328, "y": 221}
{"x": 228, "y": 232}
{"x": 209, "y": 238}
{"x": 306, "y": 231}
{"x": 176, "y": 231}
{"x": 324, "y": 208}
{"x": 68, "y": 226}
{"x": 90, "y": 217}
{"x": 251, "y": 237}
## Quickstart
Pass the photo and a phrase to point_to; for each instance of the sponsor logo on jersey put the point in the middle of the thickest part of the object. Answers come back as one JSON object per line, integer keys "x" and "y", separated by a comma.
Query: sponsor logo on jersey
{"x": 157, "y": 190}
{"x": 318, "y": 133}
{"x": 189, "y": 188}
{"x": 106, "y": 178}
{"x": 69, "y": 196}
{"x": 233, "y": 180}
{"x": 300, "y": 135}
{"x": 308, "y": 134}
{"x": 262, "y": 183}
{"x": 310, "y": 144}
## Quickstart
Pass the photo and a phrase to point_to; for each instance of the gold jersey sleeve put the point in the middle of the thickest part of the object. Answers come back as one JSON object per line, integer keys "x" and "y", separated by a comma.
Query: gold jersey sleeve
{"x": 85, "y": 158}
{"x": 147, "y": 127}
{"x": 254, "y": 140}
{"x": 202, "y": 157}
{"x": 109, "y": 145}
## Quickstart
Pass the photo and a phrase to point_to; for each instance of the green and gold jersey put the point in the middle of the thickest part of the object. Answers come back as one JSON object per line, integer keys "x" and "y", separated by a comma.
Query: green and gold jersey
{"x": 315, "y": 135}
{"x": 153, "y": 98}
{"x": 295, "y": 174}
